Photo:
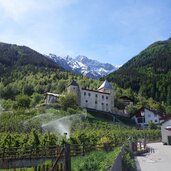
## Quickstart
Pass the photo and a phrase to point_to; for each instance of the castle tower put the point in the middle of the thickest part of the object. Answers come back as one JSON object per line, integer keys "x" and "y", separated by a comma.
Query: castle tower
{"x": 106, "y": 87}
{"x": 74, "y": 88}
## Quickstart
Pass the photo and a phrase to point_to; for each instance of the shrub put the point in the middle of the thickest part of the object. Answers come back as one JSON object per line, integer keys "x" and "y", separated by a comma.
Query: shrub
{"x": 68, "y": 100}
{"x": 7, "y": 104}
{"x": 23, "y": 101}
{"x": 152, "y": 125}
{"x": 95, "y": 161}
{"x": 128, "y": 162}
{"x": 71, "y": 111}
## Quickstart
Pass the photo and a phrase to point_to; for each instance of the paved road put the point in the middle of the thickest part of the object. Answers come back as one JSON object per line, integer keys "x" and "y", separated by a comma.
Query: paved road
{"x": 159, "y": 159}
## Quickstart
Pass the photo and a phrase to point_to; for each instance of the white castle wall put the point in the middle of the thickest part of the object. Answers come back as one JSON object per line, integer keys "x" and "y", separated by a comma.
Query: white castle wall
{"x": 96, "y": 100}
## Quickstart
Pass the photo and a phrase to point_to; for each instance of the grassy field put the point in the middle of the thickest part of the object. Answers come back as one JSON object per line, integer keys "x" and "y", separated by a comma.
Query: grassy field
{"x": 96, "y": 161}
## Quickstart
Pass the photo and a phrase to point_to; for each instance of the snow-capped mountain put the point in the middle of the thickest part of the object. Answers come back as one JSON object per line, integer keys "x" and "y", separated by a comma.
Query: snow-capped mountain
{"x": 83, "y": 65}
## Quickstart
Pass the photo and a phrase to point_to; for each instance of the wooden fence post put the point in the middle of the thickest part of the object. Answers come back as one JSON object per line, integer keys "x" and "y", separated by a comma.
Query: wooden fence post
{"x": 67, "y": 158}
{"x": 43, "y": 167}
{"x": 83, "y": 151}
{"x": 47, "y": 168}
{"x": 35, "y": 168}
{"x": 130, "y": 143}
{"x": 39, "y": 169}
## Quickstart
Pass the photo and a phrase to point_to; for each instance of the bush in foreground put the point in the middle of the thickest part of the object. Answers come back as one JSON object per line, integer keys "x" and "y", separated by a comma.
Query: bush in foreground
{"x": 96, "y": 161}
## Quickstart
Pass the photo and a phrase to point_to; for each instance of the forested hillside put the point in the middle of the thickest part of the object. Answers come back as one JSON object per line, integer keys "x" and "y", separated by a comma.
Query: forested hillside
{"x": 149, "y": 73}
{"x": 26, "y": 74}
{"x": 13, "y": 55}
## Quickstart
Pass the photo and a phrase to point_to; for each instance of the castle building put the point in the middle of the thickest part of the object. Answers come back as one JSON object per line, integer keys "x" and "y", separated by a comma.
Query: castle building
{"x": 101, "y": 99}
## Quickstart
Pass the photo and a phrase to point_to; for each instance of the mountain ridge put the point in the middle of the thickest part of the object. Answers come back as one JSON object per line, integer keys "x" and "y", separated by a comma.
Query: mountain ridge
{"x": 83, "y": 65}
{"x": 15, "y": 55}
{"x": 148, "y": 73}
{"x": 12, "y": 55}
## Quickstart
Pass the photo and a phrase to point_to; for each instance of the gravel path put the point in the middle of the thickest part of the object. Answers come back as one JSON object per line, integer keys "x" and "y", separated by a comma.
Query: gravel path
{"x": 159, "y": 158}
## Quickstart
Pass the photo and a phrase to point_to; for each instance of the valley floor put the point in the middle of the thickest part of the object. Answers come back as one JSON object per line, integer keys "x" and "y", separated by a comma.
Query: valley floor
{"x": 159, "y": 158}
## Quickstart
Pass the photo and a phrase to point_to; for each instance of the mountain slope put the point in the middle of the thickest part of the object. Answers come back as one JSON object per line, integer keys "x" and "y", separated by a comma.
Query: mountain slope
{"x": 25, "y": 71}
{"x": 148, "y": 73}
{"x": 83, "y": 65}
{"x": 13, "y": 55}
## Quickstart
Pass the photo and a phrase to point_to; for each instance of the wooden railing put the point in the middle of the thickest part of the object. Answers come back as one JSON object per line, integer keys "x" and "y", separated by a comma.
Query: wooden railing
{"x": 60, "y": 155}
{"x": 30, "y": 152}
{"x": 50, "y": 151}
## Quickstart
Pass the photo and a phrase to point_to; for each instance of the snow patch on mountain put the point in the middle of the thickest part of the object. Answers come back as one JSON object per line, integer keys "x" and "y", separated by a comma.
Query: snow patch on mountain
{"x": 83, "y": 65}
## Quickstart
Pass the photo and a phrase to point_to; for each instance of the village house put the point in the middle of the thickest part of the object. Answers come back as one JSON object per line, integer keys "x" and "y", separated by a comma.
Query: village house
{"x": 101, "y": 99}
{"x": 126, "y": 102}
{"x": 51, "y": 98}
{"x": 144, "y": 115}
{"x": 166, "y": 131}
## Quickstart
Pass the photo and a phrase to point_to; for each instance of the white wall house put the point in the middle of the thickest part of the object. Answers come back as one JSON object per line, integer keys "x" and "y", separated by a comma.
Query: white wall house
{"x": 101, "y": 99}
{"x": 96, "y": 100}
{"x": 127, "y": 102}
{"x": 145, "y": 115}
{"x": 51, "y": 98}
{"x": 166, "y": 132}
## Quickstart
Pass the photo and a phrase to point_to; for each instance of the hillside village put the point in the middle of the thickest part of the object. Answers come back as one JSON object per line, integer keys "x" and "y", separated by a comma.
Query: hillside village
{"x": 102, "y": 100}
{"x": 24, "y": 80}
{"x": 85, "y": 85}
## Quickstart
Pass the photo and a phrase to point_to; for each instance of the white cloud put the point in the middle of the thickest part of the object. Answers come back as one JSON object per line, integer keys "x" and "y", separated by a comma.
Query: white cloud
{"x": 17, "y": 9}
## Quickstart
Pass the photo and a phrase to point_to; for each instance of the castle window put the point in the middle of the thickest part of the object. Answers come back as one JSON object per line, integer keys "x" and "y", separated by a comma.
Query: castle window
{"x": 107, "y": 108}
{"x": 95, "y": 102}
{"x": 96, "y": 95}
{"x": 84, "y": 93}
{"x": 102, "y": 104}
{"x": 86, "y": 101}
{"x": 89, "y": 94}
{"x": 102, "y": 97}
{"x": 106, "y": 97}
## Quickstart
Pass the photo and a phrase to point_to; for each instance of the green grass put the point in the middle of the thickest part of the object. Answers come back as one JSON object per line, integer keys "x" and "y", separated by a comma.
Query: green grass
{"x": 96, "y": 161}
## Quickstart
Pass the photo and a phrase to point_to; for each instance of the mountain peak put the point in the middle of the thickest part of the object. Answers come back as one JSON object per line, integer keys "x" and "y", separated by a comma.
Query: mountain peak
{"x": 169, "y": 39}
{"x": 83, "y": 65}
{"x": 81, "y": 58}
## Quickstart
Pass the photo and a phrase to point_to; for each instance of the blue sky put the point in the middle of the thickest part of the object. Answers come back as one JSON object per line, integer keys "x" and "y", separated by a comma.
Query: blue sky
{"x": 106, "y": 30}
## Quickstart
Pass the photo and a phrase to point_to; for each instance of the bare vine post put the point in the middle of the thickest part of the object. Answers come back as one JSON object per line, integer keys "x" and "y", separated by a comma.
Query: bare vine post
{"x": 130, "y": 142}
{"x": 67, "y": 157}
